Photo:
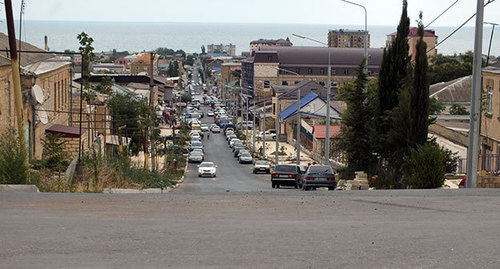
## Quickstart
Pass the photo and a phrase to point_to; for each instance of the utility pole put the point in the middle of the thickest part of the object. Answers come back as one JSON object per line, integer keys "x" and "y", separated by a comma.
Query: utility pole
{"x": 277, "y": 126}
{"x": 14, "y": 62}
{"x": 328, "y": 93}
{"x": 246, "y": 125}
{"x": 491, "y": 39}
{"x": 475, "y": 112}
{"x": 298, "y": 126}
{"x": 264, "y": 133}
{"x": 253, "y": 147}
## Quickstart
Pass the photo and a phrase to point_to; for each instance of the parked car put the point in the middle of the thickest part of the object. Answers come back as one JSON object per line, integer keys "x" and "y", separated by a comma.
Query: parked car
{"x": 204, "y": 128}
{"x": 195, "y": 156}
{"x": 319, "y": 176}
{"x": 286, "y": 175}
{"x": 246, "y": 157}
{"x": 261, "y": 166}
{"x": 237, "y": 150}
{"x": 229, "y": 137}
{"x": 196, "y": 145}
{"x": 269, "y": 135}
{"x": 207, "y": 169}
{"x": 234, "y": 140}
{"x": 215, "y": 129}
{"x": 210, "y": 113}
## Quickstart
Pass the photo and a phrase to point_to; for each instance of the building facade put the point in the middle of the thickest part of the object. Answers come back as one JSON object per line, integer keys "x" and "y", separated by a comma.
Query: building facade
{"x": 221, "y": 48}
{"x": 256, "y": 44}
{"x": 490, "y": 120}
{"x": 267, "y": 66}
{"x": 142, "y": 64}
{"x": 430, "y": 38}
{"x": 343, "y": 38}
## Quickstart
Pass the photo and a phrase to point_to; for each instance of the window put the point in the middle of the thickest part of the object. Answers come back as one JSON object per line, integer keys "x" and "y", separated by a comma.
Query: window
{"x": 55, "y": 96}
{"x": 335, "y": 84}
{"x": 322, "y": 83}
{"x": 284, "y": 83}
{"x": 269, "y": 58}
{"x": 490, "y": 98}
{"x": 309, "y": 71}
{"x": 267, "y": 84}
{"x": 322, "y": 71}
{"x": 346, "y": 71}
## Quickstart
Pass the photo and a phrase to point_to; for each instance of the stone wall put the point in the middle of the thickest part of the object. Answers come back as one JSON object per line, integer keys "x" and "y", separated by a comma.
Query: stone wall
{"x": 488, "y": 182}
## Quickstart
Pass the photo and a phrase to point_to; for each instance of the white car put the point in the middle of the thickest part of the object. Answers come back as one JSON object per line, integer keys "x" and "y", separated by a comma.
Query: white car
{"x": 231, "y": 143}
{"x": 270, "y": 135}
{"x": 207, "y": 169}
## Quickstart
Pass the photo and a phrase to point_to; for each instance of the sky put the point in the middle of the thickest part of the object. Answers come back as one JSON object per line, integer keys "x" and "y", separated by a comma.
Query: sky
{"x": 335, "y": 12}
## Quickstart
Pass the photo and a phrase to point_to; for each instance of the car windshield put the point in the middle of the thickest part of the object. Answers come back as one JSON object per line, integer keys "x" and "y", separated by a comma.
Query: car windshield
{"x": 261, "y": 163}
{"x": 196, "y": 143}
{"x": 286, "y": 168}
{"x": 246, "y": 154}
{"x": 320, "y": 169}
{"x": 207, "y": 164}
{"x": 196, "y": 153}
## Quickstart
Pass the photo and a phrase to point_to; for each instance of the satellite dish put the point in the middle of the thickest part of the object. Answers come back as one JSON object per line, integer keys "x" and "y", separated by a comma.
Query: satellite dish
{"x": 42, "y": 116}
{"x": 37, "y": 93}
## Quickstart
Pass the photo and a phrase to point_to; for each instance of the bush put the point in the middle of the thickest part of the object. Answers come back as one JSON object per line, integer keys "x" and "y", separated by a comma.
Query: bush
{"x": 13, "y": 159}
{"x": 426, "y": 167}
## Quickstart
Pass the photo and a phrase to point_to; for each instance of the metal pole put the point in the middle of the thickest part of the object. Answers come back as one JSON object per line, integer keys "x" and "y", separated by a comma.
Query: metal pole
{"x": 246, "y": 125}
{"x": 475, "y": 113}
{"x": 264, "y": 133}
{"x": 254, "y": 110}
{"x": 81, "y": 110}
{"x": 328, "y": 93}
{"x": 298, "y": 126}
{"x": 491, "y": 39}
{"x": 276, "y": 155}
{"x": 14, "y": 62}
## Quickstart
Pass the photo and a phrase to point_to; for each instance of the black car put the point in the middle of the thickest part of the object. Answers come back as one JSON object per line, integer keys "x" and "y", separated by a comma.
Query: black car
{"x": 237, "y": 150}
{"x": 286, "y": 175}
{"x": 319, "y": 176}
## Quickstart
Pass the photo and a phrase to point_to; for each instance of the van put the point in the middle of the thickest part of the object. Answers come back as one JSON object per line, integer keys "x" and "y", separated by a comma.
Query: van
{"x": 196, "y": 127}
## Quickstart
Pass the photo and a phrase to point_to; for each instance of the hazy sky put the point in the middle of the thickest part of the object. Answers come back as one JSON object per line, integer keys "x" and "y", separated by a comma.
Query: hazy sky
{"x": 335, "y": 12}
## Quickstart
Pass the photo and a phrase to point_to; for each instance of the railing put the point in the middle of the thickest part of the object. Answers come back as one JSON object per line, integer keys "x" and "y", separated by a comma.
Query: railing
{"x": 487, "y": 162}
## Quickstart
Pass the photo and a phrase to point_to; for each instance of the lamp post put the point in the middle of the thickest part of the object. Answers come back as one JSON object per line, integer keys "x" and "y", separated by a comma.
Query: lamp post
{"x": 491, "y": 39}
{"x": 366, "y": 35}
{"x": 328, "y": 96}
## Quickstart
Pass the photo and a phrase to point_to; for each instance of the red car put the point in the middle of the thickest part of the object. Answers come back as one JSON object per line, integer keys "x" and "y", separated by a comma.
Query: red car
{"x": 215, "y": 129}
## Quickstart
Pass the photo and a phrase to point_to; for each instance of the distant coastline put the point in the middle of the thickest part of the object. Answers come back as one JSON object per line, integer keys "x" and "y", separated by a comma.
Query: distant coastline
{"x": 189, "y": 36}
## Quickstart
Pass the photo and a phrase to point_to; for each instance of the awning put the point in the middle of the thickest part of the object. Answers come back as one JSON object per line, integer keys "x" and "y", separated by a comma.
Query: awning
{"x": 64, "y": 131}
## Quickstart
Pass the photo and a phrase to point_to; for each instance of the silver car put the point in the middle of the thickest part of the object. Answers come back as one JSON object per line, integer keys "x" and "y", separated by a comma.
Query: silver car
{"x": 246, "y": 157}
{"x": 261, "y": 166}
{"x": 195, "y": 156}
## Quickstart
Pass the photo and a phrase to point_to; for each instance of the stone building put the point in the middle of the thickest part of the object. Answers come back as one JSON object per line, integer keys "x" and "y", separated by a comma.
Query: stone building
{"x": 430, "y": 38}
{"x": 256, "y": 44}
{"x": 142, "y": 64}
{"x": 343, "y": 38}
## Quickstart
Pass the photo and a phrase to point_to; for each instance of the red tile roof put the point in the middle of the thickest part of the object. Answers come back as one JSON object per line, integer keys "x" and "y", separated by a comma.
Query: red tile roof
{"x": 64, "y": 131}
{"x": 320, "y": 131}
{"x": 414, "y": 32}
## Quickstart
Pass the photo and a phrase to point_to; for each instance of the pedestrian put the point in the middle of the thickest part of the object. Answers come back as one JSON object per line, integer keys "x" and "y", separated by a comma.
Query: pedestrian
{"x": 208, "y": 135}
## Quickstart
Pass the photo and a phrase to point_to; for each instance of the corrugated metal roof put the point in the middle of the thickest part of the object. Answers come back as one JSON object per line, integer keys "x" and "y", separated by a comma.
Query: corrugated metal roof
{"x": 65, "y": 131}
{"x": 292, "y": 109}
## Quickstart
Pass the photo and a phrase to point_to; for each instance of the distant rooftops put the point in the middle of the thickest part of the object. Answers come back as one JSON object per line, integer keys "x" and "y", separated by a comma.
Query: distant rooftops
{"x": 346, "y": 31}
{"x": 272, "y": 42}
{"x": 414, "y": 33}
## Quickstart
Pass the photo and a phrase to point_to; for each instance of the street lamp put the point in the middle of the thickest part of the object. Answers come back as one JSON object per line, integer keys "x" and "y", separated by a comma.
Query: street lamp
{"x": 328, "y": 94}
{"x": 366, "y": 34}
{"x": 491, "y": 38}
{"x": 298, "y": 117}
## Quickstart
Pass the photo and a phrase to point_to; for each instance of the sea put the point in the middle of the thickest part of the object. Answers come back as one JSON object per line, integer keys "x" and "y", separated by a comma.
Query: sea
{"x": 142, "y": 36}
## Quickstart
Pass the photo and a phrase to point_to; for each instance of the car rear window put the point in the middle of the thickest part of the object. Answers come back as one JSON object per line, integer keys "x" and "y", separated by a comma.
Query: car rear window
{"x": 286, "y": 168}
{"x": 320, "y": 169}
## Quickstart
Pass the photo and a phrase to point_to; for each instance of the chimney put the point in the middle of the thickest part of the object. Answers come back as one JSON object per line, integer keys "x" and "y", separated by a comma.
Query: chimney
{"x": 46, "y": 43}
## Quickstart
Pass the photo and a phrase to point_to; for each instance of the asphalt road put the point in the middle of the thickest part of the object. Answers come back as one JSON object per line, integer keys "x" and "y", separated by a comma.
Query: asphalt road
{"x": 348, "y": 229}
{"x": 231, "y": 176}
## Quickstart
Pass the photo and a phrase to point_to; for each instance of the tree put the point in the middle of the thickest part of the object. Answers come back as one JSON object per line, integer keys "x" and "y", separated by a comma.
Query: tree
{"x": 13, "y": 159}
{"x": 419, "y": 93}
{"x": 447, "y": 68}
{"x": 54, "y": 156}
{"x": 392, "y": 76}
{"x": 202, "y": 49}
{"x": 427, "y": 169}
{"x": 355, "y": 134}
{"x": 457, "y": 109}
{"x": 435, "y": 107}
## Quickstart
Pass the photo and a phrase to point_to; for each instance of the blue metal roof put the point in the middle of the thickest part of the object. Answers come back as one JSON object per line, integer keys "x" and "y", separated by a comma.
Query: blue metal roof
{"x": 304, "y": 101}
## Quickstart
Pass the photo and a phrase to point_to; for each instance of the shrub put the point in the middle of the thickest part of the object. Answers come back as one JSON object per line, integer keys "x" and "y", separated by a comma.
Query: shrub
{"x": 426, "y": 167}
{"x": 13, "y": 159}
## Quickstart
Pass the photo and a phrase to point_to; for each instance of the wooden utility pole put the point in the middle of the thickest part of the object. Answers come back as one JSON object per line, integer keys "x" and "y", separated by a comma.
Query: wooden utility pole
{"x": 14, "y": 61}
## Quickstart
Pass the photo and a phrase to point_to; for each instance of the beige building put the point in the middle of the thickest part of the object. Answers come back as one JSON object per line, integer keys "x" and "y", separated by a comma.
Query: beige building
{"x": 142, "y": 64}
{"x": 256, "y": 44}
{"x": 430, "y": 38}
{"x": 490, "y": 120}
{"x": 343, "y": 38}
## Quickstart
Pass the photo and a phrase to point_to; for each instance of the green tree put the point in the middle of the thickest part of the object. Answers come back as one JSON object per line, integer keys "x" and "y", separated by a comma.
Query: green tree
{"x": 175, "y": 69}
{"x": 457, "y": 109}
{"x": 426, "y": 165}
{"x": 435, "y": 107}
{"x": 54, "y": 156}
{"x": 13, "y": 159}
{"x": 419, "y": 93}
{"x": 124, "y": 109}
{"x": 447, "y": 68}
{"x": 202, "y": 49}
{"x": 355, "y": 134}
{"x": 88, "y": 57}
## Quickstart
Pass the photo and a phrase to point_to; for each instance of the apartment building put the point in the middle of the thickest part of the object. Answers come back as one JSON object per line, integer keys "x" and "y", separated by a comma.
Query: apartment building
{"x": 343, "y": 38}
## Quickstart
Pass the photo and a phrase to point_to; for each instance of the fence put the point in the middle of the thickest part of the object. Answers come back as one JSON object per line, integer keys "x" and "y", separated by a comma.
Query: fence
{"x": 487, "y": 162}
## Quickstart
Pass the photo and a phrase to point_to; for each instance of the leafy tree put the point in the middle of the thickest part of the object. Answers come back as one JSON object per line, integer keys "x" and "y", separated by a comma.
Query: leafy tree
{"x": 125, "y": 111}
{"x": 435, "y": 107}
{"x": 54, "y": 156}
{"x": 355, "y": 134}
{"x": 104, "y": 86}
{"x": 189, "y": 60}
{"x": 457, "y": 109}
{"x": 447, "y": 68}
{"x": 13, "y": 159}
{"x": 419, "y": 93}
{"x": 427, "y": 169}
{"x": 88, "y": 57}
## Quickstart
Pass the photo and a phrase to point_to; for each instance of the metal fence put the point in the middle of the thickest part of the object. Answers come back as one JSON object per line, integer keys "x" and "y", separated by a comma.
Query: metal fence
{"x": 487, "y": 162}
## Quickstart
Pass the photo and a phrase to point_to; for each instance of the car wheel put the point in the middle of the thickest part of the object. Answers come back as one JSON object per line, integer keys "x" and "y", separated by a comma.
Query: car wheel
{"x": 277, "y": 186}
{"x": 273, "y": 185}
{"x": 215, "y": 175}
{"x": 199, "y": 175}
{"x": 296, "y": 185}
{"x": 331, "y": 188}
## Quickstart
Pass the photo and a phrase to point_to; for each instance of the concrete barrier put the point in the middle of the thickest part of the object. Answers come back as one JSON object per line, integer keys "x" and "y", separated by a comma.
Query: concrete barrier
{"x": 22, "y": 188}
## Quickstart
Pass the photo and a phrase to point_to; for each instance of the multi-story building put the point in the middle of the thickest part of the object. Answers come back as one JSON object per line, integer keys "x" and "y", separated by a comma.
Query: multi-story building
{"x": 256, "y": 44}
{"x": 343, "y": 38}
{"x": 490, "y": 120}
{"x": 142, "y": 63}
{"x": 228, "y": 72}
{"x": 265, "y": 67}
{"x": 430, "y": 38}
{"x": 221, "y": 48}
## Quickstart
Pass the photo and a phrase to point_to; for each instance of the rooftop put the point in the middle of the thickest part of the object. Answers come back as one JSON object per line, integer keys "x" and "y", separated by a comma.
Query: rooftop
{"x": 414, "y": 32}
{"x": 26, "y": 58}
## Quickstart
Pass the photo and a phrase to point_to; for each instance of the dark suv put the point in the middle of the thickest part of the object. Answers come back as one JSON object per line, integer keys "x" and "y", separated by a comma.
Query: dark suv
{"x": 319, "y": 176}
{"x": 286, "y": 175}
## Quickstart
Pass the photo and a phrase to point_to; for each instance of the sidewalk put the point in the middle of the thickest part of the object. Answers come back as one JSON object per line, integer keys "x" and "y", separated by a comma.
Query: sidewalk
{"x": 290, "y": 152}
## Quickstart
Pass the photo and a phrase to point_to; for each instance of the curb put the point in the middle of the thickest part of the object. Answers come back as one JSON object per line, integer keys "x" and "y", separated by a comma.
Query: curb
{"x": 19, "y": 188}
